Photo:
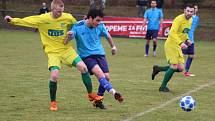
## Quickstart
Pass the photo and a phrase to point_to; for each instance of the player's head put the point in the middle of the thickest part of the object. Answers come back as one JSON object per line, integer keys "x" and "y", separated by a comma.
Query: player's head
{"x": 153, "y": 3}
{"x": 43, "y": 4}
{"x": 94, "y": 17}
{"x": 196, "y": 8}
{"x": 188, "y": 11}
{"x": 57, "y": 7}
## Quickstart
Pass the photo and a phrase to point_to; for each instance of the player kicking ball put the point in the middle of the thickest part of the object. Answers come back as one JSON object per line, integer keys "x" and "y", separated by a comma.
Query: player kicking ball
{"x": 87, "y": 34}
{"x": 53, "y": 27}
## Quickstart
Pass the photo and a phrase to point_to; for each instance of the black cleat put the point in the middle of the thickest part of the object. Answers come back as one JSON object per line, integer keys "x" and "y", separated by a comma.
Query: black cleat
{"x": 118, "y": 97}
{"x": 99, "y": 104}
{"x": 165, "y": 89}
{"x": 155, "y": 71}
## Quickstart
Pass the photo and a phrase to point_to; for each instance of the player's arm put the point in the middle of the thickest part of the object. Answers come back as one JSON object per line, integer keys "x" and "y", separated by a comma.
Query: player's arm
{"x": 145, "y": 18}
{"x": 110, "y": 40}
{"x": 70, "y": 35}
{"x": 31, "y": 21}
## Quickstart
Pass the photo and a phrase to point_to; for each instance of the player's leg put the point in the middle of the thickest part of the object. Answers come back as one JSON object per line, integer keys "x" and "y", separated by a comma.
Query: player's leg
{"x": 154, "y": 36}
{"x": 54, "y": 65}
{"x": 175, "y": 58}
{"x": 190, "y": 52}
{"x": 148, "y": 38}
{"x": 53, "y": 87}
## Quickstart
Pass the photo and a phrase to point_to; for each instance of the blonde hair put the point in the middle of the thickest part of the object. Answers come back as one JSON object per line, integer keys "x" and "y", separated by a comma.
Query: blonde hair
{"x": 57, "y": 4}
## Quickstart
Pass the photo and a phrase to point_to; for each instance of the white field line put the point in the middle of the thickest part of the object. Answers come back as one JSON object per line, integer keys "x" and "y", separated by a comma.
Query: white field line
{"x": 168, "y": 102}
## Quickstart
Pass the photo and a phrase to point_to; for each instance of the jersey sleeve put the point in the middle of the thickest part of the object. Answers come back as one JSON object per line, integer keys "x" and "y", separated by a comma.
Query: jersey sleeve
{"x": 31, "y": 21}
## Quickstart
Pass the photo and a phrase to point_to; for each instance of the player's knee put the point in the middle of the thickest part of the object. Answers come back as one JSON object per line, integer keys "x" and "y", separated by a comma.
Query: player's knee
{"x": 82, "y": 67}
{"x": 54, "y": 77}
{"x": 180, "y": 68}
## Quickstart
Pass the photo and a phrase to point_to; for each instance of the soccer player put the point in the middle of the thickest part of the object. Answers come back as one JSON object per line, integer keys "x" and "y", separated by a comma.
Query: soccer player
{"x": 154, "y": 17}
{"x": 174, "y": 44}
{"x": 88, "y": 35}
{"x": 190, "y": 50}
{"x": 53, "y": 27}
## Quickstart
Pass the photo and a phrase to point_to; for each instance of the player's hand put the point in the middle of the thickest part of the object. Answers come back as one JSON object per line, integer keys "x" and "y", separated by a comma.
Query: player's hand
{"x": 7, "y": 18}
{"x": 113, "y": 50}
{"x": 189, "y": 43}
{"x": 183, "y": 46}
{"x": 68, "y": 37}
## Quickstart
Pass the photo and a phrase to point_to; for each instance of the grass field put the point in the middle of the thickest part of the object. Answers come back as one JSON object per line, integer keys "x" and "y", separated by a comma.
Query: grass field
{"x": 24, "y": 84}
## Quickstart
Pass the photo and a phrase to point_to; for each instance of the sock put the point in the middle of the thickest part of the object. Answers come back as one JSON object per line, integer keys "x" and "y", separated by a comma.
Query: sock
{"x": 188, "y": 63}
{"x": 87, "y": 82}
{"x": 112, "y": 91}
{"x": 52, "y": 90}
{"x": 105, "y": 83}
{"x": 147, "y": 49}
{"x": 164, "y": 68}
{"x": 101, "y": 90}
{"x": 167, "y": 77}
{"x": 154, "y": 47}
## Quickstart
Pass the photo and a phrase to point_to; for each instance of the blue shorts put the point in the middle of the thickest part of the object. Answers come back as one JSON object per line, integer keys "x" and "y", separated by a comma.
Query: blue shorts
{"x": 189, "y": 50}
{"x": 92, "y": 60}
{"x": 151, "y": 34}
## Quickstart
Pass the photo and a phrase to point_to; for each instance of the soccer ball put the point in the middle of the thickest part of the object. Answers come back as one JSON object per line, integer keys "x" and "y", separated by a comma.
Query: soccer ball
{"x": 187, "y": 103}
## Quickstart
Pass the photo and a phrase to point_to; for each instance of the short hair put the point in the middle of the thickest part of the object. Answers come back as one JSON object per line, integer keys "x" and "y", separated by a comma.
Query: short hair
{"x": 153, "y": 0}
{"x": 94, "y": 13}
{"x": 188, "y": 5}
{"x": 57, "y": 4}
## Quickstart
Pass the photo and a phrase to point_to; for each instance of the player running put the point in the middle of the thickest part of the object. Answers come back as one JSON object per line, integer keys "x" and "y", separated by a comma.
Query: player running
{"x": 173, "y": 47}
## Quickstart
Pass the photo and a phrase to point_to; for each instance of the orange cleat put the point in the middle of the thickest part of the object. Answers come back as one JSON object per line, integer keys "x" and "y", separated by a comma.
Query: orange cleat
{"x": 53, "y": 106}
{"x": 94, "y": 97}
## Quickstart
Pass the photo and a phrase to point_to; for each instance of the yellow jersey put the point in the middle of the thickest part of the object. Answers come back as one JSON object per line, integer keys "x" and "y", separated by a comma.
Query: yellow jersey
{"x": 179, "y": 31}
{"x": 52, "y": 31}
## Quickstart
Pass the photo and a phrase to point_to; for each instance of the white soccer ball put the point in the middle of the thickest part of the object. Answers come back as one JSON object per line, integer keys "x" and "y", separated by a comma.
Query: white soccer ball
{"x": 187, "y": 103}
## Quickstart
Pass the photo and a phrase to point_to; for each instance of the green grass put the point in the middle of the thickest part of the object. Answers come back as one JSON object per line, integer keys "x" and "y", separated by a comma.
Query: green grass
{"x": 24, "y": 84}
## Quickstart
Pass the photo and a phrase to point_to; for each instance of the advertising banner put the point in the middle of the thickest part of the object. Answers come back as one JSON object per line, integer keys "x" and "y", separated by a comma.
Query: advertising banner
{"x": 133, "y": 27}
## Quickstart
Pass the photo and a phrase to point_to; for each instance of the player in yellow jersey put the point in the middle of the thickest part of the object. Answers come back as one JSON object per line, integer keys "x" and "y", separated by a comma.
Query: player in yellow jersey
{"x": 53, "y": 27}
{"x": 176, "y": 40}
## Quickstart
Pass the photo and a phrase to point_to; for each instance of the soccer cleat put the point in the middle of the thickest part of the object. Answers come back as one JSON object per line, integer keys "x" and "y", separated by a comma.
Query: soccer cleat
{"x": 99, "y": 104}
{"x": 118, "y": 97}
{"x": 188, "y": 74}
{"x": 53, "y": 106}
{"x": 155, "y": 71}
{"x": 165, "y": 89}
{"x": 94, "y": 97}
{"x": 146, "y": 55}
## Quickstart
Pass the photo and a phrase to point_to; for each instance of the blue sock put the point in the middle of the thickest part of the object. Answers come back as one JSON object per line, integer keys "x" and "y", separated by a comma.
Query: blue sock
{"x": 101, "y": 90}
{"x": 105, "y": 84}
{"x": 188, "y": 63}
{"x": 147, "y": 49}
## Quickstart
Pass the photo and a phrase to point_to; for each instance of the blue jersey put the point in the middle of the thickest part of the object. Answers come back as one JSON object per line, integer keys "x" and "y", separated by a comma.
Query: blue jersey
{"x": 194, "y": 25}
{"x": 88, "y": 40}
{"x": 154, "y": 15}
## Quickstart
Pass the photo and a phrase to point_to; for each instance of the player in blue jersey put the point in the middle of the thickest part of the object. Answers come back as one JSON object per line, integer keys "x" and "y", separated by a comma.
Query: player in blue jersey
{"x": 154, "y": 17}
{"x": 88, "y": 35}
{"x": 190, "y": 50}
